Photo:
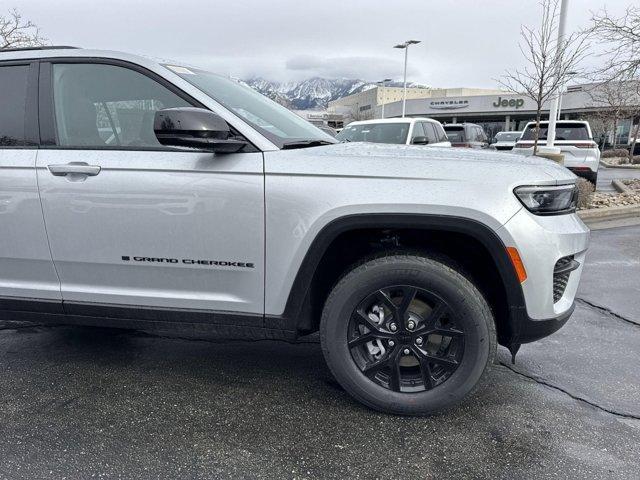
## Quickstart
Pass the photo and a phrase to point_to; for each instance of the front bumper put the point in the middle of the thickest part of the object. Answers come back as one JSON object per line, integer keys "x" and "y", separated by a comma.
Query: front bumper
{"x": 542, "y": 241}
{"x": 526, "y": 329}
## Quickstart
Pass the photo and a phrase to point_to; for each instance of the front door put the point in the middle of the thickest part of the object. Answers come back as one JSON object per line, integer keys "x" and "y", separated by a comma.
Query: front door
{"x": 27, "y": 277}
{"x": 134, "y": 224}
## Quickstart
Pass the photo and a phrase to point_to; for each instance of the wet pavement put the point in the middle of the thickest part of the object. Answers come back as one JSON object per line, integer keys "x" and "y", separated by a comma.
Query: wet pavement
{"x": 81, "y": 402}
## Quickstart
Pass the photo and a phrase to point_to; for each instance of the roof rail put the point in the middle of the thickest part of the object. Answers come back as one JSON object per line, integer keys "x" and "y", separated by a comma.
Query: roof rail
{"x": 47, "y": 47}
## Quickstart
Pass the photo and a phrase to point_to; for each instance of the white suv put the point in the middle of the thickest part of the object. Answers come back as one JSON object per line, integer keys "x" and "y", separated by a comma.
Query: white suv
{"x": 137, "y": 194}
{"x": 404, "y": 131}
{"x": 575, "y": 140}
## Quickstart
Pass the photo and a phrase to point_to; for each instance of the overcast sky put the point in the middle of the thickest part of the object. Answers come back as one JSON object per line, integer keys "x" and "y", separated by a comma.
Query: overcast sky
{"x": 464, "y": 42}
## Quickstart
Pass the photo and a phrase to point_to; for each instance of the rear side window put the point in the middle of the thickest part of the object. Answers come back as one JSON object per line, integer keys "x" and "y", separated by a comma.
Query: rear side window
{"x": 13, "y": 103}
{"x": 430, "y": 133}
{"x": 455, "y": 134}
{"x": 564, "y": 131}
{"x": 440, "y": 133}
{"x": 99, "y": 105}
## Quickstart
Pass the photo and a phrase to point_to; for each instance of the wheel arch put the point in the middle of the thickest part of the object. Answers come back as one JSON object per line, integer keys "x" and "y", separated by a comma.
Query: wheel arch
{"x": 301, "y": 313}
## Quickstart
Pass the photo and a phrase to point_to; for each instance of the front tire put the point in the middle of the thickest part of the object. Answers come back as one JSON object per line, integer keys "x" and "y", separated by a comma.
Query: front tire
{"x": 407, "y": 334}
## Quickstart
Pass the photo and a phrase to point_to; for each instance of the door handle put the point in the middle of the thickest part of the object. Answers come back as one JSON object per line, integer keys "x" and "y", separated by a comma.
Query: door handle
{"x": 81, "y": 168}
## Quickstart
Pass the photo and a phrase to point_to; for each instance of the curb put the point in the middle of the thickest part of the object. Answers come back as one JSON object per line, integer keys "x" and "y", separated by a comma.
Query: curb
{"x": 620, "y": 187}
{"x": 597, "y": 215}
{"x": 622, "y": 167}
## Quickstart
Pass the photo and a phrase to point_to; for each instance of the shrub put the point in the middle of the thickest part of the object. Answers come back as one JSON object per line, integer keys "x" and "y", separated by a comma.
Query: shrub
{"x": 585, "y": 192}
{"x": 615, "y": 152}
{"x": 636, "y": 160}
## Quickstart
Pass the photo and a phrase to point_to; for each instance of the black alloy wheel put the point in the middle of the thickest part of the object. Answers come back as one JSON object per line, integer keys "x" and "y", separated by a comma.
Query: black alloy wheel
{"x": 405, "y": 338}
{"x": 407, "y": 334}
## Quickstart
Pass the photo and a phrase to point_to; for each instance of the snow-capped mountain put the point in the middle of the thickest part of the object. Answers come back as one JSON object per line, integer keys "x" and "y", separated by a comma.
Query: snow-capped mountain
{"x": 313, "y": 93}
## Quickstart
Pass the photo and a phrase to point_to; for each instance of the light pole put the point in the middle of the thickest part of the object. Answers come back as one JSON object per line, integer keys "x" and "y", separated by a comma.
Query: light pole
{"x": 384, "y": 84}
{"x": 562, "y": 90}
{"x": 553, "y": 112}
{"x": 405, "y": 47}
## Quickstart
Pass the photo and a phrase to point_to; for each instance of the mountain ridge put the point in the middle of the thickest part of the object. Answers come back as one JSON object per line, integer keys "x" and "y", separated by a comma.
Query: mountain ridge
{"x": 314, "y": 93}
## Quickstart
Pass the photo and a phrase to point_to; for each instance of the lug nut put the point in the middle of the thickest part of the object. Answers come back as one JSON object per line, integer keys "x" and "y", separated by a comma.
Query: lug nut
{"x": 391, "y": 343}
{"x": 411, "y": 325}
{"x": 419, "y": 341}
{"x": 393, "y": 327}
{"x": 406, "y": 351}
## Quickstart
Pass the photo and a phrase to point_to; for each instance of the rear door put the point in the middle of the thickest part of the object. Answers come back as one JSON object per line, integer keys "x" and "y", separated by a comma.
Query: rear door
{"x": 27, "y": 276}
{"x": 134, "y": 224}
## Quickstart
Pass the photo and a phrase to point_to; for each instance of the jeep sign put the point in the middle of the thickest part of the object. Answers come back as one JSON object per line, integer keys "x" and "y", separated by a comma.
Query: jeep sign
{"x": 503, "y": 102}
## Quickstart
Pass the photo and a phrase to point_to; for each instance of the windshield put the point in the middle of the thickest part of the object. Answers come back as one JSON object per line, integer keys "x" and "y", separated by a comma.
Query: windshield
{"x": 455, "y": 134}
{"x": 508, "y": 136}
{"x": 281, "y": 126}
{"x": 564, "y": 131}
{"x": 375, "y": 133}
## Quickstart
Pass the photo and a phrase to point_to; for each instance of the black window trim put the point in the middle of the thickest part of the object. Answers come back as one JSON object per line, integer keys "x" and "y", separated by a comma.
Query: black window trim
{"x": 46, "y": 117}
{"x": 31, "y": 138}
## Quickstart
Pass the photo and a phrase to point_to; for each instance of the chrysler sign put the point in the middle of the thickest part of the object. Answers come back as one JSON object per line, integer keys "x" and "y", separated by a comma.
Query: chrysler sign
{"x": 449, "y": 104}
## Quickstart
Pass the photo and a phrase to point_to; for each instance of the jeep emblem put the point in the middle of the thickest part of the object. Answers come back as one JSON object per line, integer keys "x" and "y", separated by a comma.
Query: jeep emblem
{"x": 514, "y": 102}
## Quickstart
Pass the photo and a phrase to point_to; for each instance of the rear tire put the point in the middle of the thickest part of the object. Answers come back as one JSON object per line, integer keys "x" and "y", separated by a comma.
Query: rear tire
{"x": 417, "y": 360}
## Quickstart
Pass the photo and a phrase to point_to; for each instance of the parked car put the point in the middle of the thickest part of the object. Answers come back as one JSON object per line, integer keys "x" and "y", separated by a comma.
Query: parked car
{"x": 575, "y": 140}
{"x": 406, "y": 131}
{"x": 209, "y": 208}
{"x": 467, "y": 135}
{"x": 505, "y": 140}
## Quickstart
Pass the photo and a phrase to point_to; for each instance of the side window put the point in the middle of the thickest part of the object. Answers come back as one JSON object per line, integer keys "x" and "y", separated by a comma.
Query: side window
{"x": 430, "y": 133}
{"x": 442, "y": 135}
{"x": 417, "y": 131}
{"x": 13, "y": 103}
{"x": 481, "y": 135}
{"x": 100, "y": 105}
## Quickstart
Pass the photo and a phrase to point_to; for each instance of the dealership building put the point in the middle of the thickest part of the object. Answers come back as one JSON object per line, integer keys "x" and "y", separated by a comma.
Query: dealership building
{"x": 497, "y": 110}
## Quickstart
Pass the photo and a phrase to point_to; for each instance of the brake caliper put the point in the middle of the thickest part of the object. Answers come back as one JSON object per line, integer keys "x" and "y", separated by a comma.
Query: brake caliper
{"x": 375, "y": 347}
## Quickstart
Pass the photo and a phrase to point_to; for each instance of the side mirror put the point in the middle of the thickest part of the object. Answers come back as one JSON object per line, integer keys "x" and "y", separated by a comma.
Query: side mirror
{"x": 420, "y": 141}
{"x": 194, "y": 128}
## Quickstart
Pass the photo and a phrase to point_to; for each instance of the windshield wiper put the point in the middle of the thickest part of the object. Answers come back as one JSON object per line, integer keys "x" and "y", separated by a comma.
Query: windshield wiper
{"x": 305, "y": 144}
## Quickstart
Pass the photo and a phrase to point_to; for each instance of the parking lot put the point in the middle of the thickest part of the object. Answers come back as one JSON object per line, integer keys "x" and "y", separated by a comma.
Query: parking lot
{"x": 606, "y": 175}
{"x": 81, "y": 402}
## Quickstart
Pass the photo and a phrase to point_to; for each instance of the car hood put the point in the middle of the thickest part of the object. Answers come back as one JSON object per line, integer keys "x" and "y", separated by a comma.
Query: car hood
{"x": 385, "y": 160}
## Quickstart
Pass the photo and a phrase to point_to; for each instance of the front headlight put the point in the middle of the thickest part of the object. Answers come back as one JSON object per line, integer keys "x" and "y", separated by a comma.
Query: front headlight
{"x": 548, "y": 200}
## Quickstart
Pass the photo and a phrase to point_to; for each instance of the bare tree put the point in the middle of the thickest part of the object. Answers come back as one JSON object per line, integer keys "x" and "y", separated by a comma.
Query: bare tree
{"x": 15, "y": 32}
{"x": 617, "y": 101}
{"x": 621, "y": 39}
{"x": 548, "y": 64}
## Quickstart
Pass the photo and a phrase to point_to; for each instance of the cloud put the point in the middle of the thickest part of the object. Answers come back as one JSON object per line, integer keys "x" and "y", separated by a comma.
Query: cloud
{"x": 364, "y": 67}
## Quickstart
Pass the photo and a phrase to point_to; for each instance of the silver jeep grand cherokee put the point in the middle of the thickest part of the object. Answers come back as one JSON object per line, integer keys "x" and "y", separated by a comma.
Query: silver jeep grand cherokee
{"x": 145, "y": 195}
